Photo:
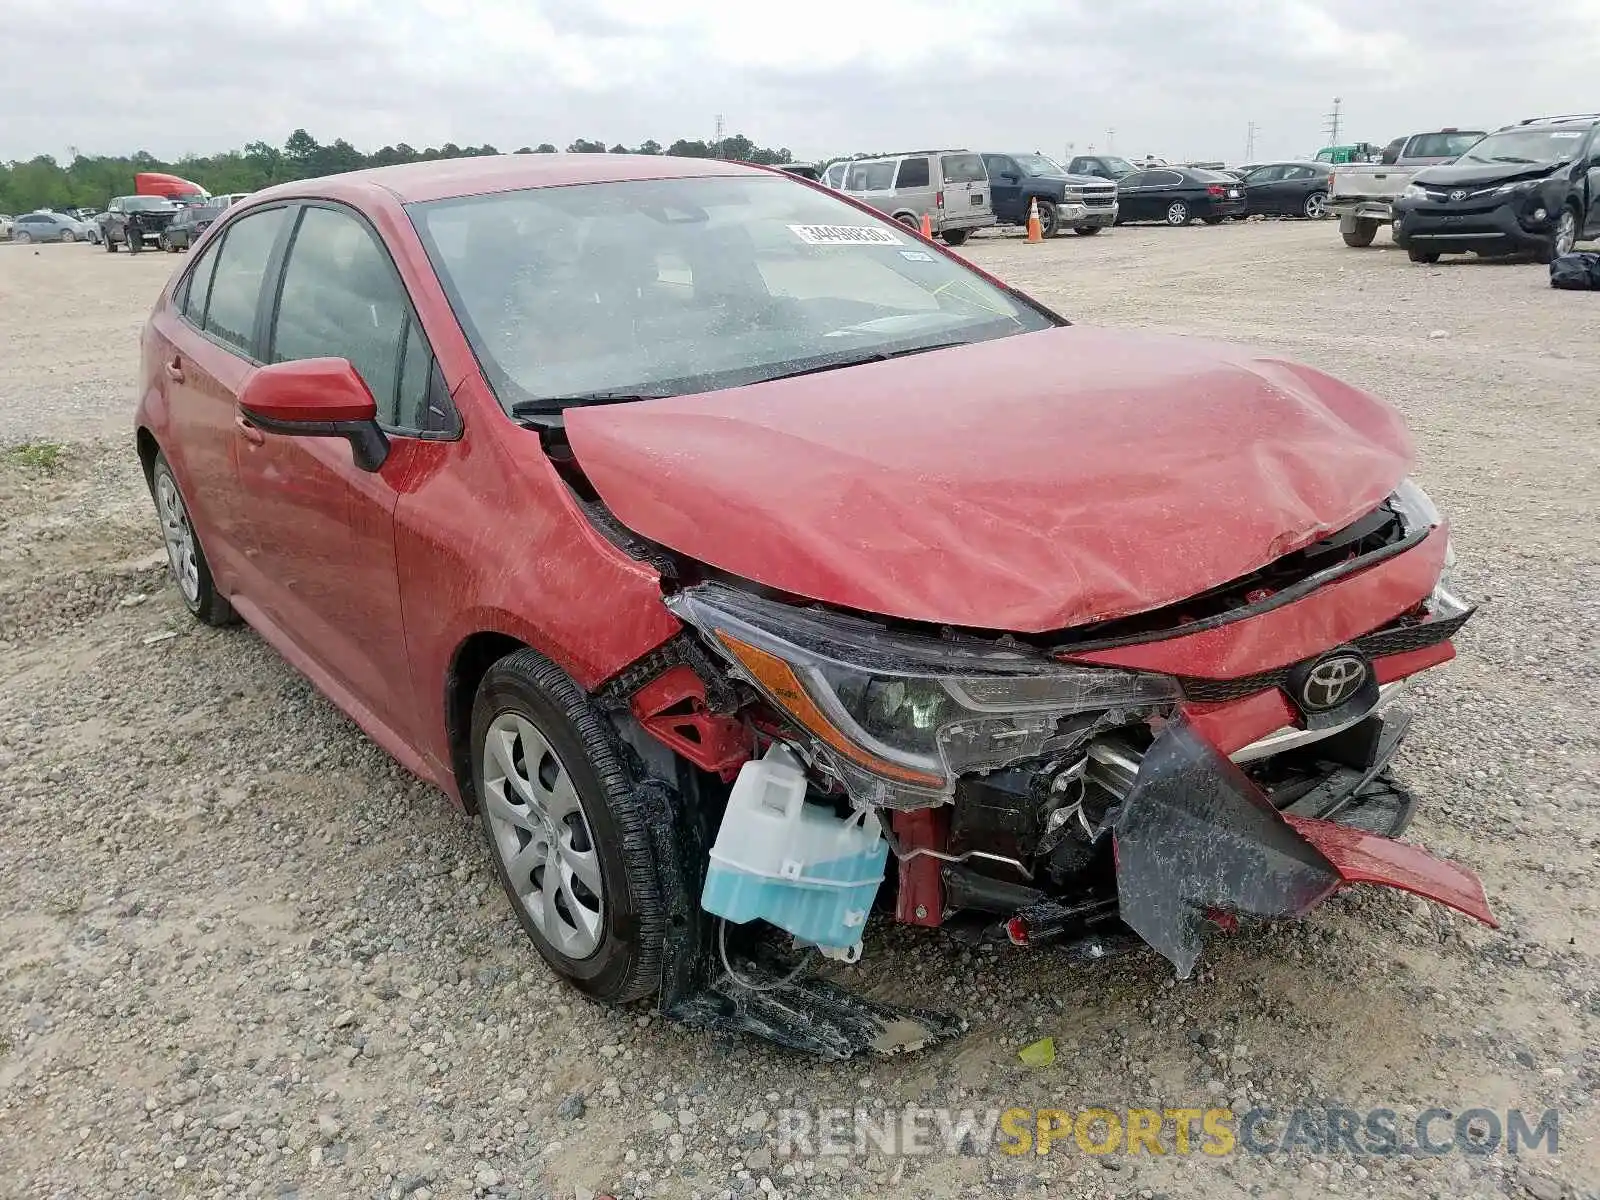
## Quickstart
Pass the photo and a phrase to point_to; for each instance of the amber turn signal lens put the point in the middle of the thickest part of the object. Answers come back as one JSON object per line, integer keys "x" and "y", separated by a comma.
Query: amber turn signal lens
{"x": 778, "y": 679}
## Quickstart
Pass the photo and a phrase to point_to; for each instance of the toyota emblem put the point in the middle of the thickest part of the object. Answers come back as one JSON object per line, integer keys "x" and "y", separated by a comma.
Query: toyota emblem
{"x": 1332, "y": 681}
{"x": 1458, "y": 194}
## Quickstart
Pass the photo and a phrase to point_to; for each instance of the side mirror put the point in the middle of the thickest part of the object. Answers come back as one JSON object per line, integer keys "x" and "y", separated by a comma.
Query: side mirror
{"x": 317, "y": 397}
{"x": 1010, "y": 177}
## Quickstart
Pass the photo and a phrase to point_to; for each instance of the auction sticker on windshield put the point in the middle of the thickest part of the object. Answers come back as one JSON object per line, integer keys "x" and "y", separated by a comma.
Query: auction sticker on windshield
{"x": 844, "y": 235}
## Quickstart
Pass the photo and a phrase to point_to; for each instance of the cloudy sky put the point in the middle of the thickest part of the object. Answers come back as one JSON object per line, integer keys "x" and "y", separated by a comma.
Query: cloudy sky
{"x": 1172, "y": 77}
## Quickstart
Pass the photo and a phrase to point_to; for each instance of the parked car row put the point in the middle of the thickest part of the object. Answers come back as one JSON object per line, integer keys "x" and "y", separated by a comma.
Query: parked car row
{"x": 1529, "y": 188}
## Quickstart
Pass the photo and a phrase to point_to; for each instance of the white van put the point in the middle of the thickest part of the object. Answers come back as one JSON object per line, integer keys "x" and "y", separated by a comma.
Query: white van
{"x": 950, "y": 186}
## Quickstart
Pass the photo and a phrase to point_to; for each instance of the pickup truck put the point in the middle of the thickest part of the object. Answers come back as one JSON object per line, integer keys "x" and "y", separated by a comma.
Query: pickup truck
{"x": 134, "y": 220}
{"x": 1362, "y": 195}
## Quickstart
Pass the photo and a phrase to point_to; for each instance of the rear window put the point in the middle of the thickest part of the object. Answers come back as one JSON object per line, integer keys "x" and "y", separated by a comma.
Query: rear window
{"x": 664, "y": 287}
{"x": 1442, "y": 145}
{"x": 963, "y": 168}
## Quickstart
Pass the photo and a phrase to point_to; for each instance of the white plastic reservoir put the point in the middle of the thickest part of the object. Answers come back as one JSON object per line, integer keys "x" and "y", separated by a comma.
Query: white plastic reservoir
{"x": 797, "y": 865}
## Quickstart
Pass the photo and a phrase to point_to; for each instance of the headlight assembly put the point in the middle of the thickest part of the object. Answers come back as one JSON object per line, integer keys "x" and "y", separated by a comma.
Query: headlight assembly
{"x": 899, "y": 717}
{"x": 1414, "y": 191}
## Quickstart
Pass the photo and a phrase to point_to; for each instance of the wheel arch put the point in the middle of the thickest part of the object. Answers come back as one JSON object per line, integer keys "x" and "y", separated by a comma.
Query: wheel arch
{"x": 468, "y": 665}
{"x": 148, "y": 448}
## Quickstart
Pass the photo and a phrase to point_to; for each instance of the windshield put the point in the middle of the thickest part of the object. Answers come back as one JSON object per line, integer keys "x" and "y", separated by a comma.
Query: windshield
{"x": 147, "y": 204}
{"x": 1038, "y": 164}
{"x": 1119, "y": 166}
{"x": 1441, "y": 145}
{"x": 663, "y": 287}
{"x": 1526, "y": 146}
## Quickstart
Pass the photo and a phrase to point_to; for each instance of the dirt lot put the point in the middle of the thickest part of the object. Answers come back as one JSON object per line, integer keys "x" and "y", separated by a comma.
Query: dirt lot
{"x": 242, "y": 953}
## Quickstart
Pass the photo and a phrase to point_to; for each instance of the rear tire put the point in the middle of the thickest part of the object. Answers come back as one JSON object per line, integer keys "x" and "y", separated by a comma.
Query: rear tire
{"x": 1358, "y": 231}
{"x": 68, "y": 236}
{"x": 955, "y": 237}
{"x": 1315, "y": 206}
{"x": 185, "y": 558}
{"x": 545, "y": 750}
{"x": 1212, "y": 220}
{"x": 1178, "y": 213}
{"x": 21, "y": 239}
{"x": 1423, "y": 256}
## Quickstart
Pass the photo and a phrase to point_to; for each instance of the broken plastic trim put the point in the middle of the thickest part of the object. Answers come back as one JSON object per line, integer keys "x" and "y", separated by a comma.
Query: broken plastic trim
{"x": 1194, "y": 834}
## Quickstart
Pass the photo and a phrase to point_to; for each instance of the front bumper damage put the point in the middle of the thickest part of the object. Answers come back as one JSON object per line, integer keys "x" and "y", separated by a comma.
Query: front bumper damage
{"x": 1195, "y": 836}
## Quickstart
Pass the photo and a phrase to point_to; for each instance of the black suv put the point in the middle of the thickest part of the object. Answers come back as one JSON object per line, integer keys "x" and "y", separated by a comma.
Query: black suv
{"x": 1530, "y": 188}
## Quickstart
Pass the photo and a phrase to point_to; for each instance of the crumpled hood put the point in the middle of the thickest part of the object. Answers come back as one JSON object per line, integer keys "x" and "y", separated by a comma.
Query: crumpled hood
{"x": 1476, "y": 175}
{"x": 1028, "y": 483}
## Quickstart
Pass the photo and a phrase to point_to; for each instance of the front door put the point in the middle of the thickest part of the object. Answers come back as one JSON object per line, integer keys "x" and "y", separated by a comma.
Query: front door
{"x": 1005, "y": 187}
{"x": 1263, "y": 189}
{"x": 321, "y": 529}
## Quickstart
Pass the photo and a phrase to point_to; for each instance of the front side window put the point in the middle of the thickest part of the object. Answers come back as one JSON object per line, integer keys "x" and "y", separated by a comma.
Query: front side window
{"x": 230, "y": 314}
{"x": 869, "y": 177}
{"x": 341, "y": 298}
{"x": 664, "y": 287}
{"x": 197, "y": 287}
{"x": 835, "y": 175}
{"x": 1264, "y": 175}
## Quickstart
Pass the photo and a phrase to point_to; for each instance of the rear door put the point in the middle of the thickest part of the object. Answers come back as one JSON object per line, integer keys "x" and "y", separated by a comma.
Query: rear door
{"x": 966, "y": 190}
{"x": 321, "y": 529}
{"x": 207, "y": 346}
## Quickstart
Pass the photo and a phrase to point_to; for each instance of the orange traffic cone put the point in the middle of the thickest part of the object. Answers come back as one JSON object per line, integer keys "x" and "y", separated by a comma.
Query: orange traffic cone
{"x": 1035, "y": 230}
{"x": 927, "y": 227}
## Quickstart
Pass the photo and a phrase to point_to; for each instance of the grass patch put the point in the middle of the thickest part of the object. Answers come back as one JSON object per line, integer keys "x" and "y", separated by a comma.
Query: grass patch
{"x": 40, "y": 457}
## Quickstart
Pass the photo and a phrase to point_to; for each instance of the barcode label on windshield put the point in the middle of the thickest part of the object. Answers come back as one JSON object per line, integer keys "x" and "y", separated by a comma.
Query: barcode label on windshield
{"x": 844, "y": 235}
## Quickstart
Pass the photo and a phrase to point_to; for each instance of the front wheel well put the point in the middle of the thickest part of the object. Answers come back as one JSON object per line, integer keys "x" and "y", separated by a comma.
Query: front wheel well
{"x": 472, "y": 661}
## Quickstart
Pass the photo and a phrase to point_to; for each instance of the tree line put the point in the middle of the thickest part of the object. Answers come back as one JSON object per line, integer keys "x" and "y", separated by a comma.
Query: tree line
{"x": 91, "y": 181}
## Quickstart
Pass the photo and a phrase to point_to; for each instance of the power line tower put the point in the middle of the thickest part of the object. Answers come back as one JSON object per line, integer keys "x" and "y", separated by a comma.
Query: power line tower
{"x": 1250, "y": 141}
{"x": 1332, "y": 127}
{"x": 716, "y": 142}
{"x": 1111, "y": 141}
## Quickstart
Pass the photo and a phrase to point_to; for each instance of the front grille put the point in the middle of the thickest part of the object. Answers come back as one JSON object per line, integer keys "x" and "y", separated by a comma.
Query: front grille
{"x": 1099, "y": 199}
{"x": 1393, "y": 639}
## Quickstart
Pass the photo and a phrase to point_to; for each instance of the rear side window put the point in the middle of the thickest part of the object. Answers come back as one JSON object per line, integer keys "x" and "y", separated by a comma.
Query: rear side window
{"x": 230, "y": 314}
{"x": 1167, "y": 178}
{"x": 342, "y": 298}
{"x": 1137, "y": 179}
{"x": 192, "y": 300}
{"x": 913, "y": 173}
{"x": 963, "y": 168}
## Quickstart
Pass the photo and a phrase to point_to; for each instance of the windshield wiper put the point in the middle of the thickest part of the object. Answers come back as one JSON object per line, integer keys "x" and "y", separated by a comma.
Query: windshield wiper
{"x": 1511, "y": 158}
{"x": 866, "y": 356}
{"x": 554, "y": 406}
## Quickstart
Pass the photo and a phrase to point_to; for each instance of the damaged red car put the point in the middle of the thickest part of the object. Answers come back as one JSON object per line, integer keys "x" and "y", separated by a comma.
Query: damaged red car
{"x": 746, "y": 563}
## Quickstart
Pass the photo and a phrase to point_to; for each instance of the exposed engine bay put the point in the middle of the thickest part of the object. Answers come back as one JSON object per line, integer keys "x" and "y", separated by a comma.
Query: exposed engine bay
{"x": 1002, "y": 789}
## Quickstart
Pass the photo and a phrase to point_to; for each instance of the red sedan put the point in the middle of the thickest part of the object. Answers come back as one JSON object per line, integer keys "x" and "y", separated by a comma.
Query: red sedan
{"x": 741, "y": 559}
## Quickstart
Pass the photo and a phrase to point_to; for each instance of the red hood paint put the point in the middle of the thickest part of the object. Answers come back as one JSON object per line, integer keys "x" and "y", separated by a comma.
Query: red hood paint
{"x": 1030, "y": 483}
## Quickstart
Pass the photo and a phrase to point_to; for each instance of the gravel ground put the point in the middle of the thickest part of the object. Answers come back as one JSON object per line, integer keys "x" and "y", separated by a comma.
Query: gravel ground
{"x": 242, "y": 953}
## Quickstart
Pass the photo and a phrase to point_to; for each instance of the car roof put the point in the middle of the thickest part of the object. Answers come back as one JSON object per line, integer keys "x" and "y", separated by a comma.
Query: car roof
{"x": 443, "y": 179}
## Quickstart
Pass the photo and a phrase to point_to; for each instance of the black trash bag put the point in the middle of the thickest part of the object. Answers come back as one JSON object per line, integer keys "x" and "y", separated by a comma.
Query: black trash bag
{"x": 1578, "y": 272}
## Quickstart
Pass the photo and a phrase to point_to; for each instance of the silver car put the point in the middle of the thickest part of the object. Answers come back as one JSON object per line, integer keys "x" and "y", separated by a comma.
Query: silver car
{"x": 48, "y": 227}
{"x": 950, "y": 187}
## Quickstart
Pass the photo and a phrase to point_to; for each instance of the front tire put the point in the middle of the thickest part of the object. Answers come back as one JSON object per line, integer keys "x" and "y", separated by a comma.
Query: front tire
{"x": 23, "y": 238}
{"x": 1088, "y": 230}
{"x": 1564, "y": 238}
{"x": 185, "y": 557}
{"x": 1423, "y": 256}
{"x": 567, "y": 835}
{"x": 68, "y": 236}
{"x": 1178, "y": 213}
{"x": 955, "y": 237}
{"x": 1049, "y": 219}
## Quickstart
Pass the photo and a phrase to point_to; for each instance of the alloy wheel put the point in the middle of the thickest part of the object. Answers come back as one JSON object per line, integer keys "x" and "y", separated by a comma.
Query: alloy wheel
{"x": 1178, "y": 213}
{"x": 1316, "y": 206}
{"x": 179, "y": 537}
{"x": 542, "y": 835}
